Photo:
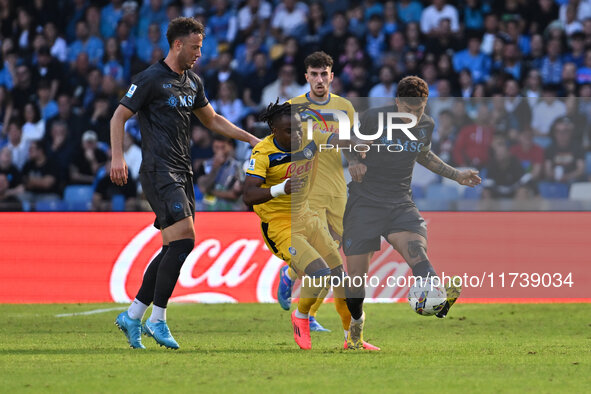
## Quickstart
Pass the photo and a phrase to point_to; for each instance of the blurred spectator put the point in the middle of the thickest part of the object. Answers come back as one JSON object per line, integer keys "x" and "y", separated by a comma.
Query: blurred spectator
{"x": 536, "y": 54}
{"x": 546, "y": 12}
{"x": 564, "y": 158}
{"x": 91, "y": 45}
{"x": 491, "y": 29}
{"x": 12, "y": 174}
{"x": 227, "y": 104}
{"x": 87, "y": 160}
{"x": 333, "y": 43}
{"x": 513, "y": 30}
{"x": 466, "y": 83}
{"x": 74, "y": 14}
{"x": 472, "y": 59}
{"x": 255, "y": 82}
{"x": 444, "y": 40}
{"x": 375, "y": 39}
{"x": 386, "y": 87}
{"x": 75, "y": 124}
{"x": 511, "y": 61}
{"x": 220, "y": 178}
{"x": 473, "y": 142}
{"x": 17, "y": 145}
{"x": 352, "y": 54}
{"x": 41, "y": 175}
{"x": 316, "y": 27}
{"x": 6, "y": 109}
{"x": 244, "y": 54}
{"x": 533, "y": 87}
{"x": 254, "y": 15}
{"x": 584, "y": 73}
{"x": 390, "y": 18}
{"x": 8, "y": 202}
{"x": 24, "y": 89}
{"x": 34, "y": 126}
{"x": 581, "y": 10}
{"x": 151, "y": 12}
{"x": 473, "y": 14}
{"x": 132, "y": 155}
{"x": 93, "y": 20}
{"x": 201, "y": 145}
{"x": 505, "y": 176}
{"x": 289, "y": 19}
{"x": 551, "y": 68}
{"x": 59, "y": 149}
{"x": 105, "y": 192}
{"x": 516, "y": 107}
{"x": 409, "y": 11}
{"x": 47, "y": 69}
{"x": 444, "y": 136}
{"x": 147, "y": 44}
{"x": 58, "y": 45}
{"x": 529, "y": 154}
{"x": 577, "y": 49}
{"x": 99, "y": 115}
{"x": 284, "y": 88}
{"x": 113, "y": 60}
{"x": 92, "y": 88}
{"x": 545, "y": 112}
{"x": 433, "y": 14}
{"x": 222, "y": 72}
{"x": 110, "y": 16}
{"x": 291, "y": 55}
{"x": 222, "y": 23}
{"x": 47, "y": 105}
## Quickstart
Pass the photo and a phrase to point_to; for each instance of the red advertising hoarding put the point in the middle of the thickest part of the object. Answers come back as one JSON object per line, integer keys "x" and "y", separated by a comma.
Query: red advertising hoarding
{"x": 101, "y": 257}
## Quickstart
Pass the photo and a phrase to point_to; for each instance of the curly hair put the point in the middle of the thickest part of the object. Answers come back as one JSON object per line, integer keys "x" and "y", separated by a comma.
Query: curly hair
{"x": 412, "y": 86}
{"x": 182, "y": 27}
{"x": 275, "y": 110}
{"x": 318, "y": 59}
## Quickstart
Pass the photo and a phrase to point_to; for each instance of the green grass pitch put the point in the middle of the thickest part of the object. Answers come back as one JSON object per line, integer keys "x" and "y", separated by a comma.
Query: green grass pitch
{"x": 249, "y": 348}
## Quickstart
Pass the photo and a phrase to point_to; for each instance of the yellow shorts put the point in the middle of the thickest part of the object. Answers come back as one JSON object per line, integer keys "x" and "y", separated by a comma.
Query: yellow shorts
{"x": 331, "y": 210}
{"x": 300, "y": 241}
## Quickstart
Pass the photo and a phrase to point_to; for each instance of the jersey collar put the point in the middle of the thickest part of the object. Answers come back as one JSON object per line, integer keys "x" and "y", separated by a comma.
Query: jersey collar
{"x": 318, "y": 102}
{"x": 163, "y": 64}
{"x": 278, "y": 146}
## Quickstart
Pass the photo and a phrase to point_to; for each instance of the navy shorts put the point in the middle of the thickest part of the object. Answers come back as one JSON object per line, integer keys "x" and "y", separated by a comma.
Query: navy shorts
{"x": 365, "y": 221}
{"x": 171, "y": 196}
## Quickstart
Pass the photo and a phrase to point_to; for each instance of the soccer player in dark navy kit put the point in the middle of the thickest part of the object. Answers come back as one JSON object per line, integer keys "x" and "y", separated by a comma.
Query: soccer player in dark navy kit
{"x": 380, "y": 202}
{"x": 164, "y": 96}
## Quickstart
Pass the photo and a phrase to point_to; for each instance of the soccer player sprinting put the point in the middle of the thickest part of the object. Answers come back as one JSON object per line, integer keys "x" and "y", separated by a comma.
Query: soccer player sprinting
{"x": 279, "y": 176}
{"x": 380, "y": 202}
{"x": 164, "y": 96}
{"x": 328, "y": 194}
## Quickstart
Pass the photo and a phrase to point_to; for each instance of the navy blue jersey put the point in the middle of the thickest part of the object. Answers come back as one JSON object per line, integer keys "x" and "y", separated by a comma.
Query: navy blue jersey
{"x": 164, "y": 101}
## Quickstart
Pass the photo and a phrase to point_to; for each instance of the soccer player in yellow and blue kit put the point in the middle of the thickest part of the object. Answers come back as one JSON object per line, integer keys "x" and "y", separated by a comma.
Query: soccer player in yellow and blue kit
{"x": 281, "y": 165}
{"x": 328, "y": 195}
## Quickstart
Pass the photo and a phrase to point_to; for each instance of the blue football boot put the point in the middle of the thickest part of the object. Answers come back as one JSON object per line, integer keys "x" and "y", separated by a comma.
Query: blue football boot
{"x": 132, "y": 328}
{"x": 315, "y": 326}
{"x": 284, "y": 289}
{"x": 161, "y": 334}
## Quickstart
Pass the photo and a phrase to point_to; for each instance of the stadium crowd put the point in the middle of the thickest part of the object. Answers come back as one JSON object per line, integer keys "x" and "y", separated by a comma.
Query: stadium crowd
{"x": 510, "y": 88}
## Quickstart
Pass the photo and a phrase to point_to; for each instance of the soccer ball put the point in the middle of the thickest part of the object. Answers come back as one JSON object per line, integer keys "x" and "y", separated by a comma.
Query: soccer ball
{"x": 425, "y": 298}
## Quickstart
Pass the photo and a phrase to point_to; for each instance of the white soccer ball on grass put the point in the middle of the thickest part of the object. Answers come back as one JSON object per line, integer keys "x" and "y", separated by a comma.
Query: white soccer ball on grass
{"x": 427, "y": 297}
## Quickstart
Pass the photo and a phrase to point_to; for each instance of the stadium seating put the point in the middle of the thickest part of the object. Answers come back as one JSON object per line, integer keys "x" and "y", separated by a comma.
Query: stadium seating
{"x": 118, "y": 203}
{"x": 78, "y": 197}
{"x": 553, "y": 190}
{"x": 442, "y": 192}
{"x": 50, "y": 205}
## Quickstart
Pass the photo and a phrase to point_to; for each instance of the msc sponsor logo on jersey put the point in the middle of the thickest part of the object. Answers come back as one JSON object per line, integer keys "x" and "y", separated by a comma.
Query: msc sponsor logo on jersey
{"x": 131, "y": 91}
{"x": 181, "y": 101}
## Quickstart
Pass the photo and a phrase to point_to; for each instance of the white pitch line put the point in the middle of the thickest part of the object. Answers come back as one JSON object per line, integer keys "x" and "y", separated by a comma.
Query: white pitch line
{"x": 92, "y": 312}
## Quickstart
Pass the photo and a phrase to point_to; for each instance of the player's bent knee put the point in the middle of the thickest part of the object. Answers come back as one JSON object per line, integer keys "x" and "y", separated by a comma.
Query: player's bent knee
{"x": 317, "y": 268}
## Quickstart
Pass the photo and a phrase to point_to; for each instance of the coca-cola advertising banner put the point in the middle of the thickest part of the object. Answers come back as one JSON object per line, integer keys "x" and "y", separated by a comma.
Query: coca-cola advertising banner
{"x": 101, "y": 257}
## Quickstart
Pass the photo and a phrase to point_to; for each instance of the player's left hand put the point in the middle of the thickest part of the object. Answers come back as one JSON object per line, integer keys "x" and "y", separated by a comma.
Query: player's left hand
{"x": 469, "y": 178}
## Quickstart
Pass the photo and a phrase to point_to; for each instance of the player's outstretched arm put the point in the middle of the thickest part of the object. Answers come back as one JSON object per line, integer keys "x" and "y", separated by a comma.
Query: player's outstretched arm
{"x": 255, "y": 194}
{"x": 219, "y": 124}
{"x": 118, "y": 164}
{"x": 433, "y": 163}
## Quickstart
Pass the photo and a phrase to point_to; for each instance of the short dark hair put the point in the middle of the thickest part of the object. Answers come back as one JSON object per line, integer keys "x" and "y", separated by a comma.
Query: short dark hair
{"x": 182, "y": 27}
{"x": 412, "y": 86}
{"x": 318, "y": 59}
